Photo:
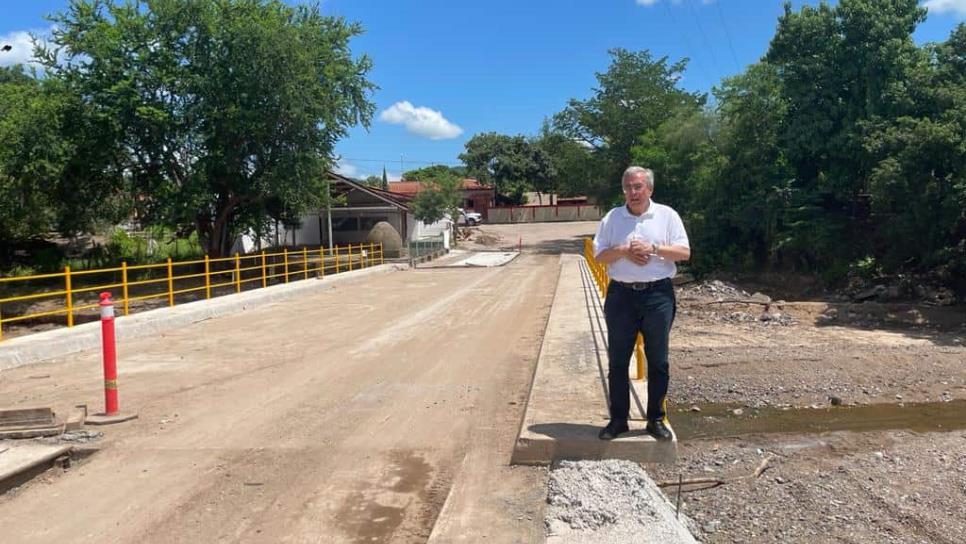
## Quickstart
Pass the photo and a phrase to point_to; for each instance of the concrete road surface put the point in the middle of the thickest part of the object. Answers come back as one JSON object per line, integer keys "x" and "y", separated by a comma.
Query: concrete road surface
{"x": 340, "y": 417}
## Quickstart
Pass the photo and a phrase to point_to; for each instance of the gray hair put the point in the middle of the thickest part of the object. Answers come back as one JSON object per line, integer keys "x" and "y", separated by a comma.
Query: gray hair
{"x": 633, "y": 171}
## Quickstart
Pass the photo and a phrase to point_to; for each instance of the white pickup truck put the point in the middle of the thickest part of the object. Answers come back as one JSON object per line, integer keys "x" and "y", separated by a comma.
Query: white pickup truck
{"x": 469, "y": 218}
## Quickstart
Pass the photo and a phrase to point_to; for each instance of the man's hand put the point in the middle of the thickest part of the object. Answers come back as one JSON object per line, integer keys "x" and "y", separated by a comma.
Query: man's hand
{"x": 638, "y": 252}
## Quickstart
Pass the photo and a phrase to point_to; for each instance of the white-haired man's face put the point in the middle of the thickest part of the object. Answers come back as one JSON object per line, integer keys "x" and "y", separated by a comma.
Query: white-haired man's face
{"x": 637, "y": 193}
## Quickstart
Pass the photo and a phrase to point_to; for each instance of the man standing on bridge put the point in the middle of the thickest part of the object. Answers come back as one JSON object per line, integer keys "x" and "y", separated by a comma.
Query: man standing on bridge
{"x": 640, "y": 242}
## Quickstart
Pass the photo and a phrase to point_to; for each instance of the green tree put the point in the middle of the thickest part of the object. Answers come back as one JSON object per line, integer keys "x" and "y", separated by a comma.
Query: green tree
{"x": 430, "y": 173}
{"x": 918, "y": 178}
{"x": 841, "y": 67}
{"x": 32, "y": 155}
{"x": 571, "y": 163}
{"x": 437, "y": 199}
{"x": 742, "y": 214}
{"x": 636, "y": 93}
{"x": 510, "y": 163}
{"x": 207, "y": 112}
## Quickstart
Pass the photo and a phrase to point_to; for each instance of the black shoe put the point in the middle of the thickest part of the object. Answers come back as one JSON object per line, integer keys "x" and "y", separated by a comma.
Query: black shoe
{"x": 658, "y": 429}
{"x": 614, "y": 428}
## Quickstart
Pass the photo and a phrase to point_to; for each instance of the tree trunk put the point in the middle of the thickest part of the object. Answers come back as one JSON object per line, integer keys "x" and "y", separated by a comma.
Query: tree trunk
{"x": 218, "y": 243}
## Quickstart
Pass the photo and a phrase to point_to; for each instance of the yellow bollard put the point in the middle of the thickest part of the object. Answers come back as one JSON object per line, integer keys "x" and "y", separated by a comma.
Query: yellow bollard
{"x": 639, "y": 355}
{"x": 207, "y": 278}
{"x": 124, "y": 285}
{"x": 285, "y": 255}
{"x": 264, "y": 271}
{"x": 237, "y": 273}
{"x": 70, "y": 297}
{"x": 305, "y": 262}
{"x": 170, "y": 283}
{"x": 336, "y": 259}
{"x": 349, "y": 253}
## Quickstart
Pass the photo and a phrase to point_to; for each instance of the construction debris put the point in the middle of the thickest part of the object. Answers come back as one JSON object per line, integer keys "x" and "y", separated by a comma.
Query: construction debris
{"x": 29, "y": 423}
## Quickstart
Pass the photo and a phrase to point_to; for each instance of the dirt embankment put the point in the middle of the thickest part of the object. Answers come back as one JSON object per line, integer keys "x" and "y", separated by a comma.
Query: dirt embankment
{"x": 738, "y": 368}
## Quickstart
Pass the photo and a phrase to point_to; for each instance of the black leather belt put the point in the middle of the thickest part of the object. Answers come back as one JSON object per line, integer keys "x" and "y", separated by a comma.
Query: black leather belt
{"x": 642, "y": 285}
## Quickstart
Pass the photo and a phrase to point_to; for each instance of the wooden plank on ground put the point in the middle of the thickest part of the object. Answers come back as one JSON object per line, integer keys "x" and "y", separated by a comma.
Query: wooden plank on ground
{"x": 25, "y": 417}
{"x": 19, "y": 458}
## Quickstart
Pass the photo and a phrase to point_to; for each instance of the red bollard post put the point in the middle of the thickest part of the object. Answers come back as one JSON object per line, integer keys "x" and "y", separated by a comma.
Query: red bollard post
{"x": 111, "y": 412}
{"x": 110, "y": 355}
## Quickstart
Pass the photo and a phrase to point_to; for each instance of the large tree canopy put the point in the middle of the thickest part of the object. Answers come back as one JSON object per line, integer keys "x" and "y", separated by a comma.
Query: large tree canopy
{"x": 635, "y": 94}
{"x": 32, "y": 155}
{"x": 512, "y": 164}
{"x": 209, "y": 114}
{"x": 429, "y": 173}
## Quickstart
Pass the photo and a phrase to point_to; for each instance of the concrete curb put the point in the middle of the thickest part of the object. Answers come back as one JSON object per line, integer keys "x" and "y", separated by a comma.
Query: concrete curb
{"x": 43, "y": 346}
{"x": 567, "y": 406}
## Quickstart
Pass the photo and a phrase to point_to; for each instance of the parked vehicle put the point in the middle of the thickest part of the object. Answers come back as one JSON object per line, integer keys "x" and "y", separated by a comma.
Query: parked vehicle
{"x": 469, "y": 218}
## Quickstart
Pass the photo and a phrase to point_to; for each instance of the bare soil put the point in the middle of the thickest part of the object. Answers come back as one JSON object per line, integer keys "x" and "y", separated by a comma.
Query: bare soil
{"x": 340, "y": 417}
{"x": 889, "y": 485}
{"x": 345, "y": 416}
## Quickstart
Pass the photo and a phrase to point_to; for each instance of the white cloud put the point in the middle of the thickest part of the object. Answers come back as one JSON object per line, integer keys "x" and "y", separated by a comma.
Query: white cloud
{"x": 22, "y": 48}
{"x": 350, "y": 170}
{"x": 345, "y": 168}
{"x": 942, "y": 6}
{"x": 420, "y": 120}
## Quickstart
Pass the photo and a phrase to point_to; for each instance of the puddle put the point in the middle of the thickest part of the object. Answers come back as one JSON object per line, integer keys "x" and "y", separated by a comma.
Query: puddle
{"x": 719, "y": 420}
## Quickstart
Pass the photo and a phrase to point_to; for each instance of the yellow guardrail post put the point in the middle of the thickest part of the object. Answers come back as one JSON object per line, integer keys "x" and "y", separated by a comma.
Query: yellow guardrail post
{"x": 336, "y": 259}
{"x": 349, "y": 255}
{"x": 264, "y": 275}
{"x": 170, "y": 283}
{"x": 1, "y": 323}
{"x": 285, "y": 252}
{"x": 305, "y": 262}
{"x": 321, "y": 262}
{"x": 639, "y": 355}
{"x": 70, "y": 297}
{"x": 207, "y": 277}
{"x": 124, "y": 286}
{"x": 237, "y": 273}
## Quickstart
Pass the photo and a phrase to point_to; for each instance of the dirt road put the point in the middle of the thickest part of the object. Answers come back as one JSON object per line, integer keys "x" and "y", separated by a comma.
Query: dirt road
{"x": 341, "y": 417}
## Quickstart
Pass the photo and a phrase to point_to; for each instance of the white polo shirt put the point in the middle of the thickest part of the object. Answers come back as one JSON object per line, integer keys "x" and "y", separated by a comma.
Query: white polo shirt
{"x": 660, "y": 224}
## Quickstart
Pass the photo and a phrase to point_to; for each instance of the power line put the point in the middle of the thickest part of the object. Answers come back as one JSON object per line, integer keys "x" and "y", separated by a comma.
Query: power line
{"x": 687, "y": 42}
{"x": 409, "y": 161}
{"x": 707, "y": 42}
{"x": 734, "y": 56}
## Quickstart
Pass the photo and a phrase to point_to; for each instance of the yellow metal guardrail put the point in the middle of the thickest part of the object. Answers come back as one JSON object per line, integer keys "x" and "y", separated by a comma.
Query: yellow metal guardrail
{"x": 195, "y": 276}
{"x": 598, "y": 271}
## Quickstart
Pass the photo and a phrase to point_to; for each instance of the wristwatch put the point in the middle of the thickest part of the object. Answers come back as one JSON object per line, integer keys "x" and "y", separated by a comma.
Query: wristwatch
{"x": 657, "y": 247}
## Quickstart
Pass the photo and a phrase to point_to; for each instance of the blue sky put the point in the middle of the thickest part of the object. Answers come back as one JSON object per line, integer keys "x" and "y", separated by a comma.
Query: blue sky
{"x": 449, "y": 69}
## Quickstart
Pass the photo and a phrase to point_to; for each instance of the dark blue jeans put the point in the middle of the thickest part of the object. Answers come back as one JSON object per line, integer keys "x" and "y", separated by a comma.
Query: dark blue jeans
{"x": 627, "y": 312}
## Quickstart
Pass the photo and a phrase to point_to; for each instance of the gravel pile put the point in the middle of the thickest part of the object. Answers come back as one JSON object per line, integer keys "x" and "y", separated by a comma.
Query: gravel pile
{"x": 81, "y": 436}
{"x": 607, "y": 501}
{"x": 715, "y": 289}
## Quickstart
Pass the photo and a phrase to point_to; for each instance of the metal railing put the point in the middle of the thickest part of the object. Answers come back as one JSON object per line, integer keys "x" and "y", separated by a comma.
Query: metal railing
{"x": 70, "y": 292}
{"x": 426, "y": 246}
{"x": 598, "y": 271}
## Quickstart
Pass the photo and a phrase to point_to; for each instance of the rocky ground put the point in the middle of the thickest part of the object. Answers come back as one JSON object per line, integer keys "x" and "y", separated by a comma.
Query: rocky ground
{"x": 756, "y": 379}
